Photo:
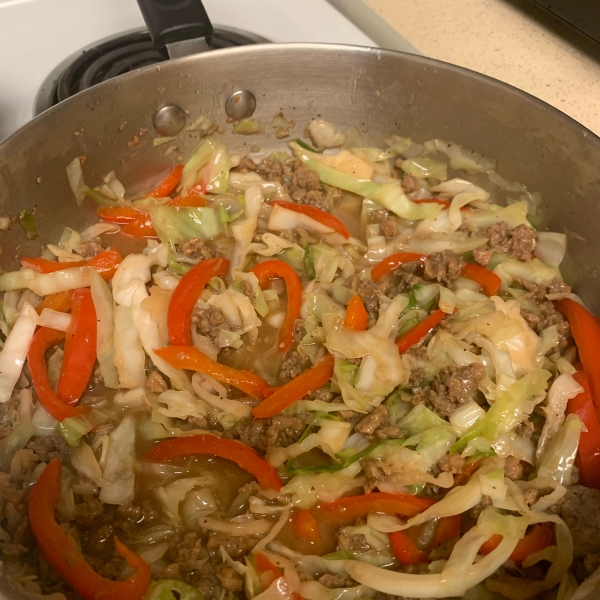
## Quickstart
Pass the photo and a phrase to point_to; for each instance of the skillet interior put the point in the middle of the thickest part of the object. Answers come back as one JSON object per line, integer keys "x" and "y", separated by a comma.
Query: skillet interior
{"x": 380, "y": 92}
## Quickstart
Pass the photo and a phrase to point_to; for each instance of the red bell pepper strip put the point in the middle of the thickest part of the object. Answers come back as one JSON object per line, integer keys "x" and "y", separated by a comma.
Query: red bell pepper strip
{"x": 448, "y": 528}
{"x": 444, "y": 203}
{"x": 186, "y": 295}
{"x": 406, "y": 550}
{"x": 356, "y": 314}
{"x": 189, "y": 357}
{"x": 66, "y": 559}
{"x": 418, "y": 332}
{"x": 80, "y": 348}
{"x": 315, "y": 213}
{"x": 106, "y": 263}
{"x": 168, "y": 184}
{"x": 295, "y": 389}
{"x": 387, "y": 265}
{"x": 191, "y": 201}
{"x": 352, "y": 507}
{"x": 60, "y": 302}
{"x": 265, "y": 271}
{"x": 585, "y": 329}
{"x": 206, "y": 444}
{"x": 140, "y": 227}
{"x": 540, "y": 537}
{"x": 490, "y": 282}
{"x": 43, "y": 339}
{"x": 118, "y": 214}
{"x": 588, "y": 453}
{"x": 465, "y": 473}
{"x": 267, "y": 571}
{"x": 270, "y": 390}
{"x": 305, "y": 526}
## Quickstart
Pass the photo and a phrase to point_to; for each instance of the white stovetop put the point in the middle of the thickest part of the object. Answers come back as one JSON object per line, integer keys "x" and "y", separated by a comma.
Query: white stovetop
{"x": 36, "y": 35}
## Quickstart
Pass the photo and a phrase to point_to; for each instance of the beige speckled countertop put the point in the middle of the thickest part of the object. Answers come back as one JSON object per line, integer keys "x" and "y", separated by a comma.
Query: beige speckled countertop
{"x": 510, "y": 40}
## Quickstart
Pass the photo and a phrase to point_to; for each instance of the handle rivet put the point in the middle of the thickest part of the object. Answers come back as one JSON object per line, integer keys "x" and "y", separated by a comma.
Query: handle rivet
{"x": 169, "y": 120}
{"x": 240, "y": 105}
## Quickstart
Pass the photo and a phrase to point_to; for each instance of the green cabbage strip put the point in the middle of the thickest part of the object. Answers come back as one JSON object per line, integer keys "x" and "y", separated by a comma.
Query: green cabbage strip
{"x": 506, "y": 405}
{"x": 388, "y": 195}
{"x": 174, "y": 224}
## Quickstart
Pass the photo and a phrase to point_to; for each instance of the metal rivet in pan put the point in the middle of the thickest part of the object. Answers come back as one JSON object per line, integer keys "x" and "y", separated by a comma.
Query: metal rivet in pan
{"x": 240, "y": 105}
{"x": 169, "y": 120}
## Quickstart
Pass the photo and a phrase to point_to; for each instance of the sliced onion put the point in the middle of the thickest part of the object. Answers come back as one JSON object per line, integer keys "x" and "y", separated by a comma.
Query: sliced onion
{"x": 283, "y": 219}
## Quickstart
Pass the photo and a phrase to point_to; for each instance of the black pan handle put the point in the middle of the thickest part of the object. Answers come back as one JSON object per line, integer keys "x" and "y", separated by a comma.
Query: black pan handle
{"x": 171, "y": 21}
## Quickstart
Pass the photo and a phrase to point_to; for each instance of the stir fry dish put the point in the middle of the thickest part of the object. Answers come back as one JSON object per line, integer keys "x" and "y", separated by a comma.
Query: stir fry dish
{"x": 333, "y": 372}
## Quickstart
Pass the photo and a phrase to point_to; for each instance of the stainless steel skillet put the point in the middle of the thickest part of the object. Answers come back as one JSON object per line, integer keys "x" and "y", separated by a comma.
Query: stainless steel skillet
{"x": 379, "y": 91}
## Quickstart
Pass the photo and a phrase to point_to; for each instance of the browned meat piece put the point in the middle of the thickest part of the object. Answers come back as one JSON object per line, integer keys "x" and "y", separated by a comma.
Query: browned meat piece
{"x": 271, "y": 170}
{"x": 131, "y": 512}
{"x": 48, "y": 448}
{"x": 546, "y": 317}
{"x": 281, "y": 430}
{"x": 451, "y": 463}
{"x": 321, "y": 394}
{"x": 155, "y": 383}
{"x": 478, "y": 509}
{"x": 355, "y": 542}
{"x": 443, "y": 267}
{"x": 304, "y": 185}
{"x": 291, "y": 366}
{"x": 334, "y": 581}
{"x": 368, "y": 291}
{"x": 525, "y": 429}
{"x": 195, "y": 249}
{"x": 247, "y": 164}
{"x": 416, "y": 378}
{"x": 347, "y": 415}
{"x": 197, "y": 422}
{"x": 299, "y": 330}
{"x": 410, "y": 184}
{"x": 388, "y": 432}
{"x": 101, "y": 542}
{"x": 531, "y": 496}
{"x": 367, "y": 425}
{"x": 376, "y": 470}
{"x": 451, "y": 386}
{"x": 513, "y": 469}
{"x": 389, "y": 228}
{"x": 88, "y": 511}
{"x": 91, "y": 248}
{"x": 482, "y": 255}
{"x": 284, "y": 430}
{"x": 236, "y": 547}
{"x": 7, "y": 412}
{"x": 251, "y": 431}
{"x": 580, "y": 510}
{"x": 517, "y": 242}
{"x": 210, "y": 321}
{"x": 230, "y": 580}
{"x": 538, "y": 292}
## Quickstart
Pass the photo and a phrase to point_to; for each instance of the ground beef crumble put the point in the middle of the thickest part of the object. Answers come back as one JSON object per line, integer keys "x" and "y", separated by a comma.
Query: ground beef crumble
{"x": 291, "y": 366}
{"x": 281, "y": 430}
{"x": 443, "y": 267}
{"x": 91, "y": 248}
{"x": 155, "y": 383}
{"x": 376, "y": 425}
{"x": 451, "y": 387}
{"x": 516, "y": 242}
{"x": 210, "y": 321}
{"x": 195, "y": 249}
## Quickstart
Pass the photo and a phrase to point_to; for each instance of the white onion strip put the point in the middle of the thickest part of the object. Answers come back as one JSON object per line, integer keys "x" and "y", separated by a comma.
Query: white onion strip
{"x": 54, "y": 319}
